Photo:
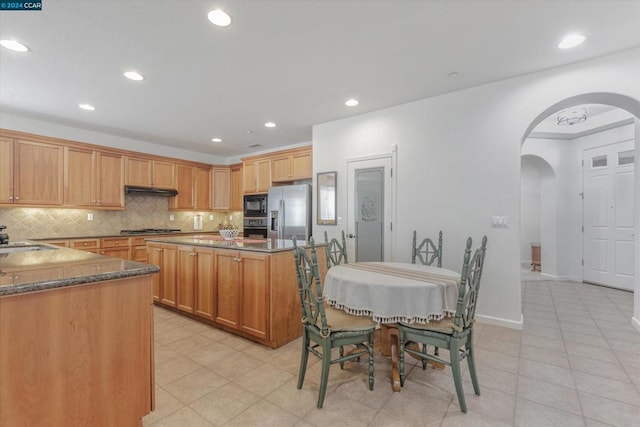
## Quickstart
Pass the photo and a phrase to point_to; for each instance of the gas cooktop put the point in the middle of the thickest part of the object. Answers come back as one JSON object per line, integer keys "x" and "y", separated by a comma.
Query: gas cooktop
{"x": 151, "y": 231}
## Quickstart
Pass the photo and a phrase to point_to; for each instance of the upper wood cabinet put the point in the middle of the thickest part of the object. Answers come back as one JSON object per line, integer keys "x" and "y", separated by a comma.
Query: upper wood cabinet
{"x": 194, "y": 187}
{"x": 236, "y": 187}
{"x": 221, "y": 187}
{"x": 292, "y": 165}
{"x": 32, "y": 172}
{"x": 257, "y": 175}
{"x": 6, "y": 170}
{"x": 150, "y": 173}
{"x": 93, "y": 179}
{"x": 185, "y": 176}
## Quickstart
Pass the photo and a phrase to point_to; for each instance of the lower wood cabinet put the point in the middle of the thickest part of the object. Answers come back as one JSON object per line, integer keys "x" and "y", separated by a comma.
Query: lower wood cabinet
{"x": 242, "y": 285}
{"x": 118, "y": 247}
{"x": 164, "y": 283}
{"x": 253, "y": 294}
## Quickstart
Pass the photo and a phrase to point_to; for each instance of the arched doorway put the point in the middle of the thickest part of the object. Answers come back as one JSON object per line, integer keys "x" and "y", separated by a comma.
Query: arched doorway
{"x": 632, "y": 106}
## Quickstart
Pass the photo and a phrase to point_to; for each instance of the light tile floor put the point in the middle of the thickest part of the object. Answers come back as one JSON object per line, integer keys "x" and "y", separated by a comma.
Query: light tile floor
{"x": 575, "y": 363}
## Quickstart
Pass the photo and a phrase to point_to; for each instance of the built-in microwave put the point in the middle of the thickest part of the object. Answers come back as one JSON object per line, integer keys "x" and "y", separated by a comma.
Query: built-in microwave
{"x": 255, "y": 205}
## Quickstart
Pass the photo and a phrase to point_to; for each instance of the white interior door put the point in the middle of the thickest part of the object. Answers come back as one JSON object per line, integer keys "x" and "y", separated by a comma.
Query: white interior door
{"x": 369, "y": 209}
{"x": 609, "y": 229}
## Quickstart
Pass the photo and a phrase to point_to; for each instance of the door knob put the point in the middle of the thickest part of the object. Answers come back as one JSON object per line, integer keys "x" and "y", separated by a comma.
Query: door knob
{"x": 351, "y": 236}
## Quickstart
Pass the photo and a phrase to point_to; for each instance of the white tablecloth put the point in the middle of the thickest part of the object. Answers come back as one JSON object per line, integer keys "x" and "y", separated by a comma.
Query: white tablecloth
{"x": 390, "y": 292}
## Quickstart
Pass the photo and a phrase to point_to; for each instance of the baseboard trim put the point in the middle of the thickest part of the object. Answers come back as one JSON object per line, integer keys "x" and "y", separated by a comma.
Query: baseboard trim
{"x": 636, "y": 323}
{"x": 498, "y": 321}
{"x": 554, "y": 277}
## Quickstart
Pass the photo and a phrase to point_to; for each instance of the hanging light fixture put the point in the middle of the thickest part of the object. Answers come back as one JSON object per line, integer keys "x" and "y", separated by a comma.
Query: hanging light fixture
{"x": 571, "y": 116}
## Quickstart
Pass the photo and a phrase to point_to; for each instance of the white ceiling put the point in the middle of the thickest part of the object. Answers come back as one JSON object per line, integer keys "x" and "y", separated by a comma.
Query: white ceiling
{"x": 292, "y": 62}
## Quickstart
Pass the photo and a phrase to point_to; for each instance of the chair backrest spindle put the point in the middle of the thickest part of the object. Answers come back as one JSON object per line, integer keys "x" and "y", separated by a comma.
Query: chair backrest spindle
{"x": 309, "y": 287}
{"x": 426, "y": 252}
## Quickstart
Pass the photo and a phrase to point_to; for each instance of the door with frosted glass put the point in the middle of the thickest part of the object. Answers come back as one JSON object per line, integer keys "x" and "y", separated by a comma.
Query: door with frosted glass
{"x": 609, "y": 227}
{"x": 369, "y": 196}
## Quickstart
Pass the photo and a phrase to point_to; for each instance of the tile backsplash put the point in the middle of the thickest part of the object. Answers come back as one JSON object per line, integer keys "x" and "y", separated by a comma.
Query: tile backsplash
{"x": 142, "y": 211}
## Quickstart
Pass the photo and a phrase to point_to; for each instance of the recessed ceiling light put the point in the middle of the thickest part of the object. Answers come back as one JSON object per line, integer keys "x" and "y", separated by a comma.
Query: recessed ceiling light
{"x": 351, "y": 102}
{"x": 14, "y": 45}
{"x": 572, "y": 40}
{"x": 87, "y": 107}
{"x": 270, "y": 124}
{"x": 216, "y": 139}
{"x": 219, "y": 18}
{"x": 134, "y": 75}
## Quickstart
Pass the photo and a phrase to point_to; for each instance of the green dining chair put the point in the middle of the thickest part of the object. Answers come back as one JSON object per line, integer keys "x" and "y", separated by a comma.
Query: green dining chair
{"x": 452, "y": 333}
{"x": 336, "y": 251}
{"x": 325, "y": 328}
{"x": 426, "y": 252}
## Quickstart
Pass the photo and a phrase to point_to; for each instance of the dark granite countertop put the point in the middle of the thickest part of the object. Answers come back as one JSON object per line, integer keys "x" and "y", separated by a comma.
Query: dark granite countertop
{"x": 239, "y": 243}
{"x": 145, "y": 235}
{"x": 55, "y": 267}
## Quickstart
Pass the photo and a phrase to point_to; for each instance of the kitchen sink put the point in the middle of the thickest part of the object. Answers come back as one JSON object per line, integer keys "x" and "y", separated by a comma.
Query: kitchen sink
{"x": 24, "y": 247}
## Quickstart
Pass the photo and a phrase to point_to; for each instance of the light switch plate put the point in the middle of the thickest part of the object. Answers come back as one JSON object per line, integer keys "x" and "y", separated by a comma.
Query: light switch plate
{"x": 171, "y": 217}
{"x": 89, "y": 217}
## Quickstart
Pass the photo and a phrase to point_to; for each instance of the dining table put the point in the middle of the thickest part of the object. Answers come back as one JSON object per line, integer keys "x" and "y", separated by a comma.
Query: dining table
{"x": 392, "y": 292}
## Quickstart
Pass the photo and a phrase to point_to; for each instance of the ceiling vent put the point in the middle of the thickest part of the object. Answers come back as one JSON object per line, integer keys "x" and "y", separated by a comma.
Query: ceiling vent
{"x": 254, "y": 145}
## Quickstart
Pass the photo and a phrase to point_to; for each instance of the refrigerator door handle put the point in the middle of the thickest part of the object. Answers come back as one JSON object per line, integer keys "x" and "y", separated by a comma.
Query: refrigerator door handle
{"x": 283, "y": 223}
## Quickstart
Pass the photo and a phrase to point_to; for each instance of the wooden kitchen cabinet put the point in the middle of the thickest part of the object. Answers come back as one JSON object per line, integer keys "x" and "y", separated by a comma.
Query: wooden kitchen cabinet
{"x": 235, "y": 178}
{"x": 242, "y": 291}
{"x": 204, "y": 303}
{"x": 93, "y": 179}
{"x": 194, "y": 186}
{"x": 292, "y": 165}
{"x": 164, "y": 283}
{"x": 221, "y": 194}
{"x": 256, "y": 175}
{"x": 118, "y": 247}
{"x": 195, "y": 281}
{"x": 186, "y": 276}
{"x": 150, "y": 173}
{"x": 203, "y": 189}
{"x": 6, "y": 170}
{"x": 32, "y": 173}
{"x": 185, "y": 186}
{"x": 88, "y": 245}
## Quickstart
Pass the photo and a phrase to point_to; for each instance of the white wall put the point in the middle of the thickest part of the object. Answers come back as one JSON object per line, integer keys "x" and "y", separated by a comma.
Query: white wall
{"x": 459, "y": 163}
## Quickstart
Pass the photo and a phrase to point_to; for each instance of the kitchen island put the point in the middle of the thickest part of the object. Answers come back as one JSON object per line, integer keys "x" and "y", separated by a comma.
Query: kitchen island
{"x": 76, "y": 338}
{"x": 245, "y": 286}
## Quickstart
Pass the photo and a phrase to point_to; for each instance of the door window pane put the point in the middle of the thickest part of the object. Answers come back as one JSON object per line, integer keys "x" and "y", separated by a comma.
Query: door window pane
{"x": 599, "y": 161}
{"x": 625, "y": 158}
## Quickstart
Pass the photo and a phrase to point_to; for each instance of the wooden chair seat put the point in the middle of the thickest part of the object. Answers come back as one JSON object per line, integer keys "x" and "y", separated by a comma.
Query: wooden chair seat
{"x": 443, "y": 326}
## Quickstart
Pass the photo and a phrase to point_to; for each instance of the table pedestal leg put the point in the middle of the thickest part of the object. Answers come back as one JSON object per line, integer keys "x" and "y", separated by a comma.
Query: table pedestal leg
{"x": 391, "y": 347}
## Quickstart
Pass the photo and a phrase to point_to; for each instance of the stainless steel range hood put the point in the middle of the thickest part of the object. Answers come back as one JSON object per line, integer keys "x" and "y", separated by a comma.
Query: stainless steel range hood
{"x": 133, "y": 189}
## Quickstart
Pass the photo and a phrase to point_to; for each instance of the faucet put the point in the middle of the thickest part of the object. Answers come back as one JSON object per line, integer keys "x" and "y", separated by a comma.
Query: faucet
{"x": 4, "y": 237}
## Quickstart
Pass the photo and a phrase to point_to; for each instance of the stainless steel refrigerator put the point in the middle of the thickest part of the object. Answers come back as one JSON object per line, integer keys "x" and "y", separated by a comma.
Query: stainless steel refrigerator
{"x": 289, "y": 212}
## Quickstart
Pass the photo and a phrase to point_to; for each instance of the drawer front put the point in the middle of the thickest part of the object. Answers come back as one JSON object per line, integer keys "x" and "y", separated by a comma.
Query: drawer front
{"x": 118, "y": 242}
{"x": 139, "y": 241}
{"x": 85, "y": 244}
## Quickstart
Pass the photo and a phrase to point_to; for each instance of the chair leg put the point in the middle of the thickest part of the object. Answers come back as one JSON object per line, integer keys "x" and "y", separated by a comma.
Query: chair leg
{"x": 401, "y": 350}
{"x": 471, "y": 361}
{"x": 371, "y": 360}
{"x": 324, "y": 376}
{"x": 457, "y": 377}
{"x": 303, "y": 358}
{"x": 424, "y": 360}
{"x": 341, "y": 356}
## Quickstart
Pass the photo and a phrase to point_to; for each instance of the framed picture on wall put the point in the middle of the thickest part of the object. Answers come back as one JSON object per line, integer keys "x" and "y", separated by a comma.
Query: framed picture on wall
{"x": 327, "y": 198}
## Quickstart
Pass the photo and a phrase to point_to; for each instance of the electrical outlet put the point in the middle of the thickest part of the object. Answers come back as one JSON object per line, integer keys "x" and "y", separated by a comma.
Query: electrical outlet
{"x": 210, "y": 217}
{"x": 172, "y": 217}
{"x": 89, "y": 217}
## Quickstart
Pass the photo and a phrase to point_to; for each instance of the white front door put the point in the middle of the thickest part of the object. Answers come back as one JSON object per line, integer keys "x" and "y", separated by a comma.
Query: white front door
{"x": 609, "y": 230}
{"x": 370, "y": 209}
